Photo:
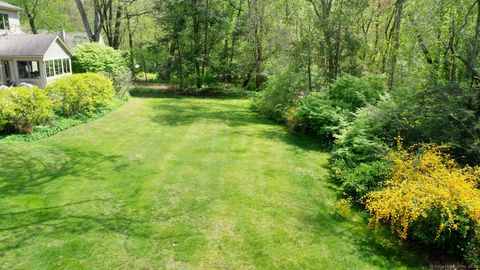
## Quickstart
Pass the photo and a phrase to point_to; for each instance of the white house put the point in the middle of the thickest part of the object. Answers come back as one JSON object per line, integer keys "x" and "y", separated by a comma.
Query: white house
{"x": 35, "y": 59}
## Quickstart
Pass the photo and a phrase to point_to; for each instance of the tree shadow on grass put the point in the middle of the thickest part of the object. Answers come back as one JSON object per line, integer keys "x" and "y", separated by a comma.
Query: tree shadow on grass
{"x": 375, "y": 246}
{"x": 27, "y": 173}
{"x": 184, "y": 113}
{"x": 56, "y": 222}
{"x": 36, "y": 174}
{"x": 180, "y": 113}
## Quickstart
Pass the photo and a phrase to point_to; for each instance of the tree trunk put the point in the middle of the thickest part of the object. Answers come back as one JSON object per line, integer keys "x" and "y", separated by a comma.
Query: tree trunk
{"x": 85, "y": 21}
{"x": 396, "y": 46}
{"x": 130, "y": 45}
{"x": 205, "y": 45}
{"x": 33, "y": 26}
{"x": 117, "y": 28}
{"x": 196, "y": 39}
{"x": 474, "y": 61}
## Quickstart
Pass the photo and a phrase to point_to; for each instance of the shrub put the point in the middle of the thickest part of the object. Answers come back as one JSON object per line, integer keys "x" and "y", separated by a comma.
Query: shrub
{"x": 24, "y": 107}
{"x": 81, "y": 93}
{"x": 363, "y": 139}
{"x": 94, "y": 57}
{"x": 121, "y": 82}
{"x": 281, "y": 93}
{"x": 365, "y": 178}
{"x": 351, "y": 93}
{"x": 317, "y": 114}
{"x": 429, "y": 198}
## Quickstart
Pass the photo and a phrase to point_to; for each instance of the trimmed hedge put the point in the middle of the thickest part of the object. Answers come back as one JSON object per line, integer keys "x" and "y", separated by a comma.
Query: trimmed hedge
{"x": 81, "y": 93}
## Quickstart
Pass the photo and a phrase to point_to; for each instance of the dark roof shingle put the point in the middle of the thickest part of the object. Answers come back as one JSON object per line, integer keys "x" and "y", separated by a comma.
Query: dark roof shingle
{"x": 25, "y": 44}
{"x": 7, "y": 6}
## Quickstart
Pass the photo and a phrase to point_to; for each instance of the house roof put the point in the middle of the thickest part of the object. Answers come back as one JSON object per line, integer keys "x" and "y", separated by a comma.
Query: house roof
{"x": 27, "y": 45}
{"x": 6, "y": 6}
{"x": 73, "y": 39}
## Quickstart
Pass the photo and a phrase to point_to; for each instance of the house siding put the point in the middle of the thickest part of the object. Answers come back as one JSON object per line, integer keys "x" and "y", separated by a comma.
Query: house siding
{"x": 14, "y": 21}
{"x": 55, "y": 51}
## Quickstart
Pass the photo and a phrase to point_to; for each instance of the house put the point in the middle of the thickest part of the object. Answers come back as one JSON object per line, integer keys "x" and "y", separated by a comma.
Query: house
{"x": 26, "y": 58}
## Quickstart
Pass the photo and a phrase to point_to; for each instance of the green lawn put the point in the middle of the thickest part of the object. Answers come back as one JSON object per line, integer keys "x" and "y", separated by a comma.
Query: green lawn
{"x": 180, "y": 183}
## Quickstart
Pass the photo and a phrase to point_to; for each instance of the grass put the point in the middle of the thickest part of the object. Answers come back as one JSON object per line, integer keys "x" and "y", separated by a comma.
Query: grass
{"x": 180, "y": 183}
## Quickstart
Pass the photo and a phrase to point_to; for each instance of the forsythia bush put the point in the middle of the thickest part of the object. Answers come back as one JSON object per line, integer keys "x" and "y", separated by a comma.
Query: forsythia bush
{"x": 81, "y": 93}
{"x": 24, "y": 107}
{"x": 429, "y": 198}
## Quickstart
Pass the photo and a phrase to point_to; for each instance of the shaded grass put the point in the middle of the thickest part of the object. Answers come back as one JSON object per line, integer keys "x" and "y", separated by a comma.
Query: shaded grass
{"x": 180, "y": 183}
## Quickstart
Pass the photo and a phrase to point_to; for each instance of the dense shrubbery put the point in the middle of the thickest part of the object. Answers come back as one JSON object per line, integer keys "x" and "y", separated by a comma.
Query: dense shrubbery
{"x": 282, "y": 93}
{"x": 317, "y": 114}
{"x": 81, "y": 93}
{"x": 424, "y": 193}
{"x": 95, "y": 57}
{"x": 429, "y": 198}
{"x": 21, "y": 108}
{"x": 351, "y": 93}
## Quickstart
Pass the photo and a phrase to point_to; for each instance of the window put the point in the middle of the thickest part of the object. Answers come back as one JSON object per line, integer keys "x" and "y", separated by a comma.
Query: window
{"x": 57, "y": 67}
{"x": 65, "y": 68}
{"x": 4, "y": 24}
{"x": 49, "y": 68}
{"x": 28, "y": 69}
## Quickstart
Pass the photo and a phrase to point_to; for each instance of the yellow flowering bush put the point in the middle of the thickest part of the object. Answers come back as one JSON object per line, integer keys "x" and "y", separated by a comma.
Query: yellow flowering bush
{"x": 428, "y": 197}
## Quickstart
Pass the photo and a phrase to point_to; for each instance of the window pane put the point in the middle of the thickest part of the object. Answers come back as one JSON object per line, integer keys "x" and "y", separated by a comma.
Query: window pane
{"x": 28, "y": 69}
{"x": 58, "y": 67}
{"x": 64, "y": 62}
{"x": 2, "y": 21}
{"x": 6, "y": 22}
{"x": 50, "y": 68}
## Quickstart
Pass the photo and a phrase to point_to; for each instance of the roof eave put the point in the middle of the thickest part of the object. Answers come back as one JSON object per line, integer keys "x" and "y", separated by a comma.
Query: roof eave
{"x": 11, "y": 9}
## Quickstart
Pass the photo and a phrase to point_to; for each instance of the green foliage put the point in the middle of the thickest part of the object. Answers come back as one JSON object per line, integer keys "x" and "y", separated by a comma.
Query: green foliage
{"x": 95, "y": 57}
{"x": 472, "y": 252}
{"x": 365, "y": 178}
{"x": 81, "y": 93}
{"x": 361, "y": 140}
{"x": 442, "y": 115}
{"x": 281, "y": 93}
{"x": 22, "y": 108}
{"x": 317, "y": 114}
{"x": 351, "y": 93}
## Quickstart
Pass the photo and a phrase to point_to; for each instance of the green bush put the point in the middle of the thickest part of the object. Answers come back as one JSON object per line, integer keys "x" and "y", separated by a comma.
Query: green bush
{"x": 94, "y": 57}
{"x": 317, "y": 114}
{"x": 351, "y": 93}
{"x": 364, "y": 178}
{"x": 362, "y": 141}
{"x": 472, "y": 252}
{"x": 23, "y": 107}
{"x": 81, "y": 93}
{"x": 281, "y": 93}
